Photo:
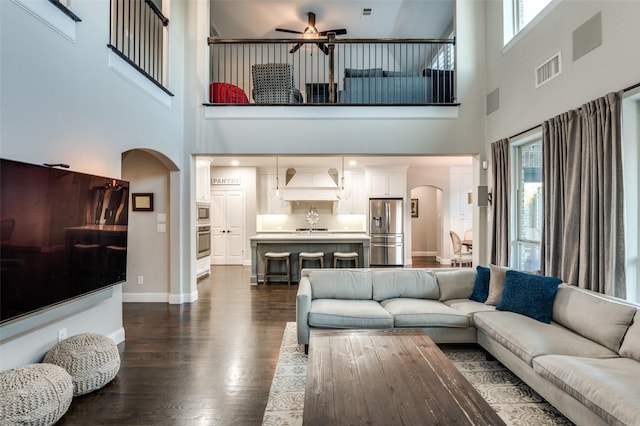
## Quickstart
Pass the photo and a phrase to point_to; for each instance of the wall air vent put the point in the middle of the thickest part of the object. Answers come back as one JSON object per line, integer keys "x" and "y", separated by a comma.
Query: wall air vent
{"x": 366, "y": 11}
{"x": 549, "y": 70}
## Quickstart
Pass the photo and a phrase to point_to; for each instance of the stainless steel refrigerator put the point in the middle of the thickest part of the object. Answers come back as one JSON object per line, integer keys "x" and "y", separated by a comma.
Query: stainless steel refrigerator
{"x": 386, "y": 231}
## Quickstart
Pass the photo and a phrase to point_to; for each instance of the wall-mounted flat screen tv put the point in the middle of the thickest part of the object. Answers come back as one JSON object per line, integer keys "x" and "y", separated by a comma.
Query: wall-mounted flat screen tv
{"x": 63, "y": 235}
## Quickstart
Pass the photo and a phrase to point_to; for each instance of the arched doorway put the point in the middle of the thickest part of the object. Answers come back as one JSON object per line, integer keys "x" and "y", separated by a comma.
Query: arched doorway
{"x": 426, "y": 225}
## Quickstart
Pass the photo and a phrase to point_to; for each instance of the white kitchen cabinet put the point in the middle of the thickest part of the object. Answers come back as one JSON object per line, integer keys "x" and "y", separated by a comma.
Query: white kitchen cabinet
{"x": 203, "y": 267}
{"x": 203, "y": 180}
{"x": 387, "y": 184}
{"x": 268, "y": 202}
{"x": 355, "y": 203}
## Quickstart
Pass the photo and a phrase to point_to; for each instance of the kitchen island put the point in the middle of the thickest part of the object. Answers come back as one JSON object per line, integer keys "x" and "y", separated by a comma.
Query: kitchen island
{"x": 326, "y": 242}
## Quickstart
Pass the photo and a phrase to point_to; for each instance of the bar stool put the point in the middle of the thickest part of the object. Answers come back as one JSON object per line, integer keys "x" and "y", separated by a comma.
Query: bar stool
{"x": 277, "y": 257}
{"x": 317, "y": 256}
{"x": 345, "y": 257}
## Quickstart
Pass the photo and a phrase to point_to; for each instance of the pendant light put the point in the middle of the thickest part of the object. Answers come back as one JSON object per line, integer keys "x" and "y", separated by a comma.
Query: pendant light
{"x": 275, "y": 191}
{"x": 342, "y": 192}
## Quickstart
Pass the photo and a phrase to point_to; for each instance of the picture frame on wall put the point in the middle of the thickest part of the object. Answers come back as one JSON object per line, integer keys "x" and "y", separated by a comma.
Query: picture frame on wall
{"x": 414, "y": 207}
{"x": 142, "y": 202}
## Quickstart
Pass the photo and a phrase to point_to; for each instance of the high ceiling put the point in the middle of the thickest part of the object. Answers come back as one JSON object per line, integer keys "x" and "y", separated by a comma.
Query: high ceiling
{"x": 388, "y": 19}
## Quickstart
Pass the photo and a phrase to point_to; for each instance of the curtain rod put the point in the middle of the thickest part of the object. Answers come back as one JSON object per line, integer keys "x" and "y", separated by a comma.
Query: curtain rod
{"x": 627, "y": 89}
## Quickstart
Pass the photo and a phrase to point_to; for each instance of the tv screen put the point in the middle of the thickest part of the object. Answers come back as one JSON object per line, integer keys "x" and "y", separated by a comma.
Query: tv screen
{"x": 63, "y": 235}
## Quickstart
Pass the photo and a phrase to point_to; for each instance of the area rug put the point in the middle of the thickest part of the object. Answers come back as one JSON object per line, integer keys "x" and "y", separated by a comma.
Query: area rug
{"x": 515, "y": 402}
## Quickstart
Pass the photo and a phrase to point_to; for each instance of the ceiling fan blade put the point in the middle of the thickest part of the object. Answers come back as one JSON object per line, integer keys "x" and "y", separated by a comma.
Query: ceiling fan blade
{"x": 295, "y": 48}
{"x": 341, "y": 31}
{"x": 324, "y": 48}
{"x": 284, "y": 30}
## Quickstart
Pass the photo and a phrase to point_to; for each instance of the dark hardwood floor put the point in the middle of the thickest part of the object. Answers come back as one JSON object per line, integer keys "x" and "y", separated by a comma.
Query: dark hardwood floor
{"x": 206, "y": 363}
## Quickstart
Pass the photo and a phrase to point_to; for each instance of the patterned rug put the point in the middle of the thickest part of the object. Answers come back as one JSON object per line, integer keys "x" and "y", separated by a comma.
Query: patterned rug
{"x": 514, "y": 401}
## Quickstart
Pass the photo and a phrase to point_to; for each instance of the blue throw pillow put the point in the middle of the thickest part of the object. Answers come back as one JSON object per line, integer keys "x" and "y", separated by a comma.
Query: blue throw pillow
{"x": 530, "y": 295}
{"x": 481, "y": 286}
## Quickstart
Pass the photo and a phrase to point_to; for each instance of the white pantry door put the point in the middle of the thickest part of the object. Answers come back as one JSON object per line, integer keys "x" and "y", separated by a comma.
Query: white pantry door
{"x": 227, "y": 227}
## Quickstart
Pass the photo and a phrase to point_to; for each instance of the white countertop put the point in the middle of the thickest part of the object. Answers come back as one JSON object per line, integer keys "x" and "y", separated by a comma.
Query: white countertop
{"x": 319, "y": 236}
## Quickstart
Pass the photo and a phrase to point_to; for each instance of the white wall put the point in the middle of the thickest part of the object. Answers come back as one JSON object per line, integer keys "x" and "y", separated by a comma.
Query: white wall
{"x": 61, "y": 102}
{"x": 611, "y": 67}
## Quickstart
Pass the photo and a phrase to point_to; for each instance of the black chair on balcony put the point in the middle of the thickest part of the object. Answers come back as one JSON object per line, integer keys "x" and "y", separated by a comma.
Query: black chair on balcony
{"x": 274, "y": 84}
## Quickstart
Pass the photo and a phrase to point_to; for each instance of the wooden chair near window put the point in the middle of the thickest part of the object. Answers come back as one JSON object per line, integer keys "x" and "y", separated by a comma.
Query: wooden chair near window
{"x": 459, "y": 258}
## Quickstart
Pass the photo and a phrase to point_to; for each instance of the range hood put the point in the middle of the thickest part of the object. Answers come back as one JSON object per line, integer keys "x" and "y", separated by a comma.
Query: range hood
{"x": 311, "y": 185}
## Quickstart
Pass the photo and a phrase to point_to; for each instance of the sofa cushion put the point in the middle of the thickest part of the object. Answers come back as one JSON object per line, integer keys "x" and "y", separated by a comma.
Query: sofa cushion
{"x": 455, "y": 284}
{"x": 339, "y": 313}
{"x": 424, "y": 313}
{"x": 601, "y": 319}
{"x": 481, "y": 285}
{"x": 370, "y": 72}
{"x": 337, "y": 284}
{"x": 469, "y": 307}
{"x": 496, "y": 284}
{"x": 609, "y": 387}
{"x": 528, "y": 338}
{"x": 530, "y": 295}
{"x": 631, "y": 344}
{"x": 413, "y": 283}
{"x": 401, "y": 73}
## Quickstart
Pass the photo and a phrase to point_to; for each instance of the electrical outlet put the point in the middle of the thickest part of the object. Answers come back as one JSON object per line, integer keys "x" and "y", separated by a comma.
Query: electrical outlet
{"x": 140, "y": 280}
{"x": 62, "y": 334}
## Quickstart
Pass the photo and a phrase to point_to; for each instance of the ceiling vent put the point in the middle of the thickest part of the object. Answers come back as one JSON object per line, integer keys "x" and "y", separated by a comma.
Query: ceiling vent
{"x": 549, "y": 70}
{"x": 366, "y": 11}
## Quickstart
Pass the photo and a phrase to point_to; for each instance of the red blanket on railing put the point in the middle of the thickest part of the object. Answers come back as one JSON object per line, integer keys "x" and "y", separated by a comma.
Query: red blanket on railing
{"x": 225, "y": 93}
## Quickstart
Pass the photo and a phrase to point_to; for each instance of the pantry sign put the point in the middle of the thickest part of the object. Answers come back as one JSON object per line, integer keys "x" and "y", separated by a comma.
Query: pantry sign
{"x": 226, "y": 181}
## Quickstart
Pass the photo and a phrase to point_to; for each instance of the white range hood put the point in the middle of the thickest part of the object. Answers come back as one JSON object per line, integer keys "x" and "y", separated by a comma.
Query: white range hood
{"x": 311, "y": 185}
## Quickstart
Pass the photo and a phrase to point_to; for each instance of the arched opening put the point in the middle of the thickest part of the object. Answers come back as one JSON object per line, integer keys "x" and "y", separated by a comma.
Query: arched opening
{"x": 150, "y": 264}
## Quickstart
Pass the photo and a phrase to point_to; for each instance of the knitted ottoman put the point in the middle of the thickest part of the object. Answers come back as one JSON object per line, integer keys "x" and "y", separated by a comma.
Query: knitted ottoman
{"x": 91, "y": 359}
{"x": 35, "y": 394}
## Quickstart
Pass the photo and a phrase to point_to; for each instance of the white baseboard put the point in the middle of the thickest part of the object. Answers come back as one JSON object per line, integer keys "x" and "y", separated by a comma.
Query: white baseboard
{"x": 424, "y": 253}
{"x": 117, "y": 336}
{"x": 179, "y": 299}
{"x": 443, "y": 261}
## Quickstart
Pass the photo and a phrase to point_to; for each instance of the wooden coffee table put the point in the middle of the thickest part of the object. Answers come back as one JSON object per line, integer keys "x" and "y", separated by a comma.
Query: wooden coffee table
{"x": 387, "y": 377}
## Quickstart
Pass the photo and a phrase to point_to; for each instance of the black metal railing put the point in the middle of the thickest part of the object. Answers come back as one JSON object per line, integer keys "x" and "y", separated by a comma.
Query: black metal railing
{"x": 138, "y": 37}
{"x": 360, "y": 71}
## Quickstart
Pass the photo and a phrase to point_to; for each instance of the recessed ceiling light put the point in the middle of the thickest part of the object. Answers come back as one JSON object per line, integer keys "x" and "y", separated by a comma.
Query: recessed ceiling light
{"x": 352, "y": 162}
{"x": 234, "y": 162}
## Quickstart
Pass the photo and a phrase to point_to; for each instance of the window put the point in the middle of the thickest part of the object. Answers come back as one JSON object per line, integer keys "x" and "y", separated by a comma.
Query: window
{"x": 528, "y": 205}
{"x": 518, "y": 13}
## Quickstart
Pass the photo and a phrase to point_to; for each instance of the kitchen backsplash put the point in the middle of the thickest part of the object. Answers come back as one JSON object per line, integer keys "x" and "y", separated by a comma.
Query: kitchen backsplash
{"x": 298, "y": 219}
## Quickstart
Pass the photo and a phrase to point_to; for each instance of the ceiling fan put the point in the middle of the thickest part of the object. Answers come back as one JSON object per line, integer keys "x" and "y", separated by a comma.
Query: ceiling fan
{"x": 312, "y": 32}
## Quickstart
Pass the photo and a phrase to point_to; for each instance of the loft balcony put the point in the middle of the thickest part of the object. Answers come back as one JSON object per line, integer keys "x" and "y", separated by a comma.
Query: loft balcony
{"x": 362, "y": 72}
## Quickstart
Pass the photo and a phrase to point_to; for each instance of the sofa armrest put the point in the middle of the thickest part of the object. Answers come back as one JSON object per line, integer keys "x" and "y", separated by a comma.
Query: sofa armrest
{"x": 303, "y": 306}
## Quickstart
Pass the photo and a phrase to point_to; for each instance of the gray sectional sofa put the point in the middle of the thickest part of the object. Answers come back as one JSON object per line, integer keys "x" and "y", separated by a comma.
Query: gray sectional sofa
{"x": 378, "y": 86}
{"x": 585, "y": 361}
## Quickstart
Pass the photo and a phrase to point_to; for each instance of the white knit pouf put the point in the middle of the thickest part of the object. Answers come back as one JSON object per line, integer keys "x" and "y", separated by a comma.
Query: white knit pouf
{"x": 35, "y": 394}
{"x": 91, "y": 359}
